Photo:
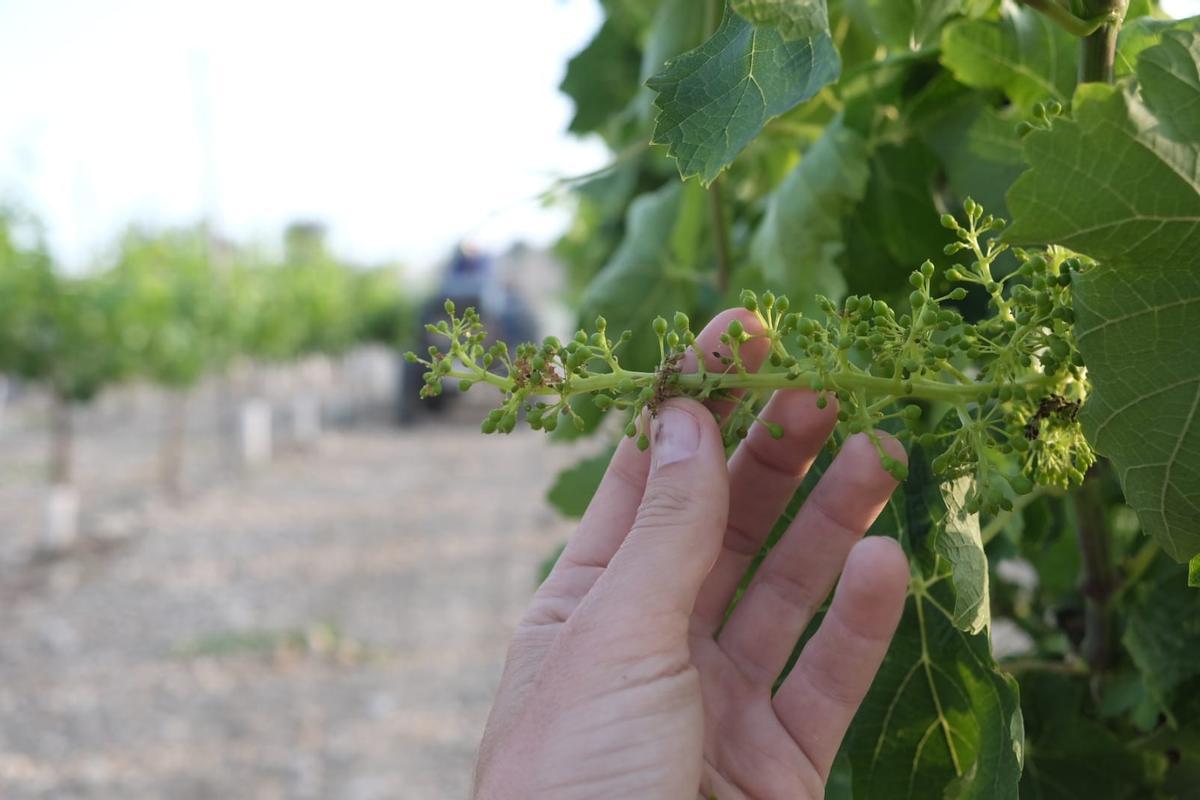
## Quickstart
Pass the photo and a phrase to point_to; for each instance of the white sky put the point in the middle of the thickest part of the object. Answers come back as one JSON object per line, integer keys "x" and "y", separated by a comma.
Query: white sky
{"x": 404, "y": 125}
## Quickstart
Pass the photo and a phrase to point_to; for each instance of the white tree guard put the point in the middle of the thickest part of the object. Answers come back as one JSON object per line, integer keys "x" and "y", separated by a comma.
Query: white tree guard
{"x": 255, "y": 425}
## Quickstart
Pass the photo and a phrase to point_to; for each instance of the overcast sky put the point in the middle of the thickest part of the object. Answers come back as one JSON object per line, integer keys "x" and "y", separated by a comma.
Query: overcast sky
{"x": 404, "y": 126}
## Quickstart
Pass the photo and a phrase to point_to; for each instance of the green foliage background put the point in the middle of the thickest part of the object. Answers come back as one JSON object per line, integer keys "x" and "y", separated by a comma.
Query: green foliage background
{"x": 817, "y": 145}
{"x": 170, "y": 306}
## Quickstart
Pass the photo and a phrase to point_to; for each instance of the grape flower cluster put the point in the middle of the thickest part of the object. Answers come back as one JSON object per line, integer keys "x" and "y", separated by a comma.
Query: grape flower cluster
{"x": 1006, "y": 389}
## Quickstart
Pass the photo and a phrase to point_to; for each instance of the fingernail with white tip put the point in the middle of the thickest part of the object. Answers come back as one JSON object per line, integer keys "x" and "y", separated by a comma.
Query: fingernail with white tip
{"x": 676, "y": 437}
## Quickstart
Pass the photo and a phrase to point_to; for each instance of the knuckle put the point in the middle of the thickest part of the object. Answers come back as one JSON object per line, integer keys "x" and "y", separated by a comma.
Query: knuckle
{"x": 664, "y": 505}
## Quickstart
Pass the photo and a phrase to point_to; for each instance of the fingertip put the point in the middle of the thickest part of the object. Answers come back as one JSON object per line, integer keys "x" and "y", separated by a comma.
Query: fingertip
{"x": 798, "y": 409}
{"x": 864, "y": 462}
{"x": 749, "y": 320}
{"x": 708, "y": 341}
{"x": 892, "y": 446}
{"x": 880, "y": 558}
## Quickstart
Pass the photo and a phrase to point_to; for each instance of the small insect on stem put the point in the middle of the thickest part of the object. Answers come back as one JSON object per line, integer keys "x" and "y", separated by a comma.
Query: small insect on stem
{"x": 663, "y": 388}
{"x": 1054, "y": 404}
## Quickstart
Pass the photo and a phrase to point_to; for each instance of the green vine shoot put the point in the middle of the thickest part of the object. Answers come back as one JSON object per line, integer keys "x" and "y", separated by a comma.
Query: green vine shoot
{"x": 1014, "y": 381}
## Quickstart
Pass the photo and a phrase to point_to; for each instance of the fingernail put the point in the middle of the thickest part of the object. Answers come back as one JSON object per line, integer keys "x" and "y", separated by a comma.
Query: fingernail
{"x": 676, "y": 437}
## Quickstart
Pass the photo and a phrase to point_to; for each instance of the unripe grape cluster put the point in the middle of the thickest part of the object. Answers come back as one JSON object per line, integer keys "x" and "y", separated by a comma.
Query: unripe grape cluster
{"x": 995, "y": 398}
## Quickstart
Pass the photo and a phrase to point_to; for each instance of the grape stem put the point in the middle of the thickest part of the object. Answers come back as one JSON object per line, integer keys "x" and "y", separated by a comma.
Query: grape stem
{"x": 720, "y": 231}
{"x": 766, "y": 381}
{"x": 1098, "y": 51}
{"x": 1097, "y": 582}
{"x": 1060, "y": 16}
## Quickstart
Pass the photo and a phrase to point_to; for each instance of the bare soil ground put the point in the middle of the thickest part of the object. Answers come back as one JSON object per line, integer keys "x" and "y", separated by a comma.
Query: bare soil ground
{"x": 330, "y": 626}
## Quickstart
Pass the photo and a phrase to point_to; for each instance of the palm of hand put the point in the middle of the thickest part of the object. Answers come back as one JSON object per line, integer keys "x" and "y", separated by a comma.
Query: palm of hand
{"x": 617, "y": 684}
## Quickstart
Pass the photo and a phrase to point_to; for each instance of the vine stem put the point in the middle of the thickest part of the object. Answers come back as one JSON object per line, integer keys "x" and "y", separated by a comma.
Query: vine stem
{"x": 716, "y": 202}
{"x": 1097, "y": 581}
{"x": 764, "y": 381}
{"x": 1098, "y": 50}
{"x": 1060, "y": 16}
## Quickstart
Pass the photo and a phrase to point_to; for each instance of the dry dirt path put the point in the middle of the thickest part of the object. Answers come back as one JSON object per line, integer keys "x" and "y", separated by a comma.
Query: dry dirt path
{"x": 330, "y": 627}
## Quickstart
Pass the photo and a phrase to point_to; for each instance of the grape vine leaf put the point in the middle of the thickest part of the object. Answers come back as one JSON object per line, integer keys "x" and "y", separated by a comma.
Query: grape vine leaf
{"x": 632, "y": 17}
{"x": 940, "y": 720}
{"x": 677, "y": 28}
{"x": 1070, "y": 756}
{"x": 716, "y": 98}
{"x": 1022, "y": 53}
{"x": 1170, "y": 76}
{"x": 940, "y": 717}
{"x": 794, "y": 19}
{"x": 574, "y": 486}
{"x": 1144, "y": 32}
{"x": 800, "y": 238}
{"x": 1162, "y": 633}
{"x": 601, "y": 79}
{"x": 960, "y": 542}
{"x": 1179, "y": 746}
{"x": 896, "y": 224}
{"x": 910, "y": 24}
{"x": 1121, "y": 183}
{"x": 653, "y": 270}
{"x": 980, "y": 151}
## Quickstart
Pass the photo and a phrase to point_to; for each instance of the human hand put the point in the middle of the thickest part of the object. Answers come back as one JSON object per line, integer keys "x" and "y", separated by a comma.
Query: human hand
{"x": 617, "y": 684}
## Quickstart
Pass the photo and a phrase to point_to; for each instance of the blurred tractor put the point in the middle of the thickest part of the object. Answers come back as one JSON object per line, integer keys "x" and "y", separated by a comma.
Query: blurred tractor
{"x": 471, "y": 280}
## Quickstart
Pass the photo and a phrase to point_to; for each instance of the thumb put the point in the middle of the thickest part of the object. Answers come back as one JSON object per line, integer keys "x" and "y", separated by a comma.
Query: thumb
{"x": 677, "y": 533}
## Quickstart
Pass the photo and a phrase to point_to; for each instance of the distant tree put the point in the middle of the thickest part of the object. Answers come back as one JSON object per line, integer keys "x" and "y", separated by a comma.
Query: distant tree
{"x": 60, "y": 332}
{"x": 175, "y": 324}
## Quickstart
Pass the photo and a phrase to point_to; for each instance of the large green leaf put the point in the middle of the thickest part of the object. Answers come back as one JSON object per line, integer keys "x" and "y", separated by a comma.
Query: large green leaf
{"x": 910, "y": 24}
{"x": 573, "y": 488}
{"x": 1121, "y": 183}
{"x": 1162, "y": 633}
{"x": 1178, "y": 746}
{"x": 713, "y": 100}
{"x": 795, "y": 19}
{"x": 1142, "y": 33}
{"x": 1022, "y": 53}
{"x": 653, "y": 271}
{"x": 632, "y": 17}
{"x": 677, "y": 29}
{"x": 980, "y": 152}
{"x": 895, "y": 227}
{"x": 1170, "y": 78}
{"x": 1068, "y": 755}
{"x": 602, "y": 78}
{"x": 958, "y": 540}
{"x": 800, "y": 238}
{"x": 941, "y": 720}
